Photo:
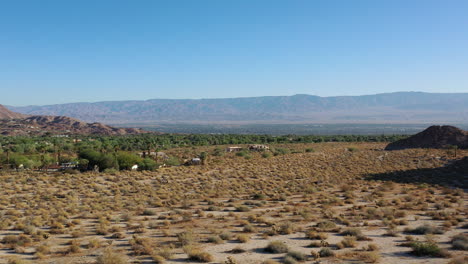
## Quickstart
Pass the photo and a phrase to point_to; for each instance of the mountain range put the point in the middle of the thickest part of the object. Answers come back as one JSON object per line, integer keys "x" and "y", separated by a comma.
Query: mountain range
{"x": 399, "y": 107}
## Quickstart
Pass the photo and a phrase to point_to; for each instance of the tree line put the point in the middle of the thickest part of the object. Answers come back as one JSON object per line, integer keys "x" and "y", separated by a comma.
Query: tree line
{"x": 119, "y": 151}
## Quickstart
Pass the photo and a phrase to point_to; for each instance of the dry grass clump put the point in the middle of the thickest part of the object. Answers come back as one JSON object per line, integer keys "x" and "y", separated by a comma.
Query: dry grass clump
{"x": 270, "y": 261}
{"x": 347, "y": 242}
{"x": 141, "y": 245}
{"x": 367, "y": 257}
{"x": 312, "y": 234}
{"x": 16, "y": 260}
{"x": 243, "y": 238}
{"x": 196, "y": 254}
{"x": 459, "y": 260}
{"x": 111, "y": 257}
{"x": 215, "y": 239}
{"x": 354, "y": 232}
{"x": 186, "y": 238}
{"x": 327, "y": 226}
{"x": 13, "y": 241}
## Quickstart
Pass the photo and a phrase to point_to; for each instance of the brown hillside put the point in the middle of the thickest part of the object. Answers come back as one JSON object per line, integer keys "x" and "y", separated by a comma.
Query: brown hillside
{"x": 7, "y": 114}
{"x": 433, "y": 137}
{"x": 40, "y": 125}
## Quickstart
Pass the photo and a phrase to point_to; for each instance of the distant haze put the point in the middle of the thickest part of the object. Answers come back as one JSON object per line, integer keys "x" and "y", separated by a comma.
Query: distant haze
{"x": 400, "y": 107}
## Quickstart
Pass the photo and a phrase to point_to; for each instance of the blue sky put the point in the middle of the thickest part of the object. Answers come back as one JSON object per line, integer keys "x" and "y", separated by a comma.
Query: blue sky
{"x": 75, "y": 51}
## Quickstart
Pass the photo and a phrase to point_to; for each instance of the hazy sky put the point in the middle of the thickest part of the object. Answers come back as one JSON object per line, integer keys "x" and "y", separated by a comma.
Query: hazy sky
{"x": 88, "y": 50}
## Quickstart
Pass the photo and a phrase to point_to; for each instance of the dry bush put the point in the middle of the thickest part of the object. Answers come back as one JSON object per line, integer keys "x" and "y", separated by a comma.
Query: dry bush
{"x": 196, "y": 254}
{"x": 243, "y": 238}
{"x": 111, "y": 257}
{"x": 347, "y": 242}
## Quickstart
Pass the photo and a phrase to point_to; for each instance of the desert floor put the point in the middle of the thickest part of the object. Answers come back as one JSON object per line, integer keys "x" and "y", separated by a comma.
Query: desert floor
{"x": 357, "y": 202}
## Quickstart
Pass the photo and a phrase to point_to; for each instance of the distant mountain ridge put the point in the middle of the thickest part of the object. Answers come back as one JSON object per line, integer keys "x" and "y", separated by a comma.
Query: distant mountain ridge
{"x": 409, "y": 107}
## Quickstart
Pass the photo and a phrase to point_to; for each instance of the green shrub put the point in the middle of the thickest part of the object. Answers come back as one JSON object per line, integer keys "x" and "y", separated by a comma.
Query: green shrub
{"x": 326, "y": 225}
{"x": 215, "y": 240}
{"x": 277, "y": 247}
{"x": 351, "y": 232}
{"x": 173, "y": 161}
{"x": 289, "y": 260}
{"x": 425, "y": 230}
{"x": 427, "y": 249}
{"x": 326, "y": 252}
{"x": 242, "y": 208}
{"x": 297, "y": 255}
{"x": 460, "y": 241}
{"x": 225, "y": 235}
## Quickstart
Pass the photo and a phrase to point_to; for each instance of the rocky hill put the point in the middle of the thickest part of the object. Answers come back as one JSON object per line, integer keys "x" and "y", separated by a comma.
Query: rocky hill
{"x": 14, "y": 124}
{"x": 7, "y": 114}
{"x": 434, "y": 137}
{"x": 401, "y": 107}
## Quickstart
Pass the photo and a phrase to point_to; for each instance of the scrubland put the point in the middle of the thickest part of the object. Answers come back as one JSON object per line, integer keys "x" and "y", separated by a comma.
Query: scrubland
{"x": 314, "y": 203}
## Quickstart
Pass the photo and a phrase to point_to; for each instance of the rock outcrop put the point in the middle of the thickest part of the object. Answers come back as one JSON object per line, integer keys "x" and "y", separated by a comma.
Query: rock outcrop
{"x": 433, "y": 137}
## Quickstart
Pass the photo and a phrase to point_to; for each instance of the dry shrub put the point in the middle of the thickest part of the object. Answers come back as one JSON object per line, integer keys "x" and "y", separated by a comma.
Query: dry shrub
{"x": 111, "y": 257}
{"x": 243, "y": 238}
{"x": 16, "y": 260}
{"x": 196, "y": 254}
{"x": 270, "y": 261}
{"x": 367, "y": 257}
{"x": 311, "y": 234}
{"x": 158, "y": 259}
{"x": 459, "y": 260}
{"x": 347, "y": 242}
{"x": 186, "y": 238}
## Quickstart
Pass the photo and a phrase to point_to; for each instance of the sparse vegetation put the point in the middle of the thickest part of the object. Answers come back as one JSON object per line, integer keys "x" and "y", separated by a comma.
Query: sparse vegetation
{"x": 322, "y": 199}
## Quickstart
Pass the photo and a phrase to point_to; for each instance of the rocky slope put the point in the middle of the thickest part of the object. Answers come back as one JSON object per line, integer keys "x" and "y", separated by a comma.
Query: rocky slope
{"x": 433, "y": 137}
{"x": 7, "y": 114}
{"x": 14, "y": 124}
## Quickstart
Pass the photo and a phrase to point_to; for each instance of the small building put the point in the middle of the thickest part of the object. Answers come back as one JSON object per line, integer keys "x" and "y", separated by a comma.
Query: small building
{"x": 258, "y": 147}
{"x": 193, "y": 161}
{"x": 52, "y": 168}
{"x": 69, "y": 165}
{"x": 196, "y": 161}
{"x": 233, "y": 149}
